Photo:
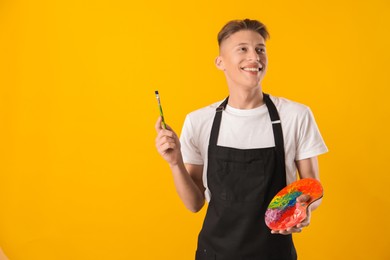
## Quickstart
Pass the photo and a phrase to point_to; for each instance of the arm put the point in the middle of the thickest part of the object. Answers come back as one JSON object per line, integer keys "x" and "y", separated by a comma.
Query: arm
{"x": 307, "y": 168}
{"x": 187, "y": 178}
{"x": 189, "y": 185}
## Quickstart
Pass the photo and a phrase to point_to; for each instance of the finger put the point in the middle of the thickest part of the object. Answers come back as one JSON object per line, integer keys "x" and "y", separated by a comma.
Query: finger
{"x": 304, "y": 223}
{"x": 282, "y": 232}
{"x": 160, "y": 140}
{"x": 287, "y": 231}
{"x": 168, "y": 131}
{"x": 292, "y": 230}
{"x": 303, "y": 198}
{"x": 162, "y": 149}
{"x": 158, "y": 126}
{"x": 171, "y": 131}
{"x": 166, "y": 145}
{"x": 165, "y": 136}
{"x": 296, "y": 230}
{"x": 163, "y": 133}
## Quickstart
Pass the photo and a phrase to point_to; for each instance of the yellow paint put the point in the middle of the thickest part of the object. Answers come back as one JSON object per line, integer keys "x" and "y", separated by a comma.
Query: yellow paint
{"x": 79, "y": 176}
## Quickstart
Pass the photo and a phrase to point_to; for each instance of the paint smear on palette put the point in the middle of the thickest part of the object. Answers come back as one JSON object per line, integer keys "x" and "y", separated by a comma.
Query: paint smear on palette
{"x": 283, "y": 211}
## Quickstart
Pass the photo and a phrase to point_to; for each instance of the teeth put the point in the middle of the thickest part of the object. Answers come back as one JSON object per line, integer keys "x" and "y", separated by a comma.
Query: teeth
{"x": 251, "y": 69}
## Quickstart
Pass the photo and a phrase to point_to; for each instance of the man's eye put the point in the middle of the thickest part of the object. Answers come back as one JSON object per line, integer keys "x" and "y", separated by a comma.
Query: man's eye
{"x": 243, "y": 49}
{"x": 260, "y": 50}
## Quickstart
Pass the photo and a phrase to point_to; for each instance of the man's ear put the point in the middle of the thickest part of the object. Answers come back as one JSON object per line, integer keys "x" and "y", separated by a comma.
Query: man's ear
{"x": 219, "y": 63}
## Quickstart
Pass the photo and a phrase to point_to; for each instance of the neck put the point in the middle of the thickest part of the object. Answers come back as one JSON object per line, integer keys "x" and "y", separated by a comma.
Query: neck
{"x": 245, "y": 99}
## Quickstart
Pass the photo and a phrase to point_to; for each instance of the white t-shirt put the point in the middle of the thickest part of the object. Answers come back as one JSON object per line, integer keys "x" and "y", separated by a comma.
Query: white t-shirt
{"x": 252, "y": 128}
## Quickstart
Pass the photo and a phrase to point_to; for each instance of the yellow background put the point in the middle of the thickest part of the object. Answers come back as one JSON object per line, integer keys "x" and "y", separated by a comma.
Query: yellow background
{"x": 79, "y": 174}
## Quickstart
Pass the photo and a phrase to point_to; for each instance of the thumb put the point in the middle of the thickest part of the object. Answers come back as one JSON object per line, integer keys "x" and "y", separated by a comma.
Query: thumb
{"x": 303, "y": 198}
{"x": 158, "y": 126}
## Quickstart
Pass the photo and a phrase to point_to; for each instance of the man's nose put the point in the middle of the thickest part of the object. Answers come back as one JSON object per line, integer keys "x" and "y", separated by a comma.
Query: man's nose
{"x": 253, "y": 55}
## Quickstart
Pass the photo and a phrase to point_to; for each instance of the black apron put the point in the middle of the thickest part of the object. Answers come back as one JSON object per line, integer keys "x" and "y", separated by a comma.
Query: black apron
{"x": 242, "y": 183}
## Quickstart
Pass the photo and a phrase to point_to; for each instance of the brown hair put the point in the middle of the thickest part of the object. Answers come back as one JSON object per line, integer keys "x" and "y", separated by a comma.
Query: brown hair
{"x": 239, "y": 25}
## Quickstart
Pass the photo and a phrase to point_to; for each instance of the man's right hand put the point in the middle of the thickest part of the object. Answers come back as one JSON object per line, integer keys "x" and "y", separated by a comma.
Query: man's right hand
{"x": 167, "y": 144}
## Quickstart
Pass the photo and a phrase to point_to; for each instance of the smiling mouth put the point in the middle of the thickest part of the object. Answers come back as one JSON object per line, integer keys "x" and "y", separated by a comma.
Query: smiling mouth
{"x": 252, "y": 69}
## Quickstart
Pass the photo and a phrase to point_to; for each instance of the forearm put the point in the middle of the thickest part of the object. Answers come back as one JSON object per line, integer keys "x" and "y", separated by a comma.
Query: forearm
{"x": 315, "y": 204}
{"x": 188, "y": 181}
{"x": 308, "y": 168}
{"x": 188, "y": 191}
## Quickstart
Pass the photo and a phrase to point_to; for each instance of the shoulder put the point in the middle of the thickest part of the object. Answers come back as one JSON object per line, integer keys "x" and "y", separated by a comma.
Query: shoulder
{"x": 203, "y": 114}
{"x": 199, "y": 121}
{"x": 290, "y": 108}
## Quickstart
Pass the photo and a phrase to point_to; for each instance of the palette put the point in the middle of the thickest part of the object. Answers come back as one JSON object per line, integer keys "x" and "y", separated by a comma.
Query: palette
{"x": 284, "y": 212}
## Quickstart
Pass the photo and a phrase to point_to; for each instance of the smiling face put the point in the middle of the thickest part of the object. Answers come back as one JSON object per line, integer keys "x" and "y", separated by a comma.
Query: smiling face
{"x": 243, "y": 59}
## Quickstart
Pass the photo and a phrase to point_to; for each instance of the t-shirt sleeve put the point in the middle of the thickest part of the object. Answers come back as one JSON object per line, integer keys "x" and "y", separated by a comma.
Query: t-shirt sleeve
{"x": 310, "y": 141}
{"x": 189, "y": 145}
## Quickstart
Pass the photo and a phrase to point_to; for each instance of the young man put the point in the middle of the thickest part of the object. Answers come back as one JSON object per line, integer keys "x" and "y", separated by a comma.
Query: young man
{"x": 237, "y": 154}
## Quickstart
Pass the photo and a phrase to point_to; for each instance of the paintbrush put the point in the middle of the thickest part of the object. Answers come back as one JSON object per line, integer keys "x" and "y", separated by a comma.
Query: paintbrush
{"x": 160, "y": 107}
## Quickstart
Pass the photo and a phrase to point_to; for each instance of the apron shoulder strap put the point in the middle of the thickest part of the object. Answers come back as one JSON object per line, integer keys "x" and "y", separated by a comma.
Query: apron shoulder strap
{"x": 217, "y": 122}
{"x": 277, "y": 128}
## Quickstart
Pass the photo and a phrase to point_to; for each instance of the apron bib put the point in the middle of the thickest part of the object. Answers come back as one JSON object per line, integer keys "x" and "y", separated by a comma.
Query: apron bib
{"x": 242, "y": 183}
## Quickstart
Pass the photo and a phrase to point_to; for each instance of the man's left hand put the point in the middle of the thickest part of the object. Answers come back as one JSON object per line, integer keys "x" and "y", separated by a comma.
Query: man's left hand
{"x": 304, "y": 223}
